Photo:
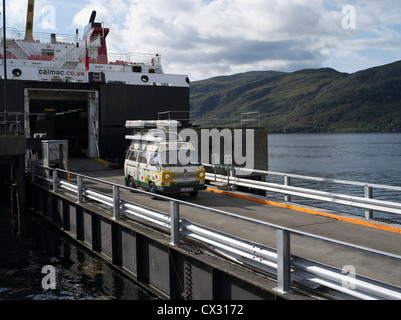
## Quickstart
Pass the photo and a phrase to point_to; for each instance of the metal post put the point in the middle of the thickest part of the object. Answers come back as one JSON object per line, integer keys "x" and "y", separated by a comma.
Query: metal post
{"x": 175, "y": 222}
{"x": 283, "y": 262}
{"x": 233, "y": 187}
{"x": 116, "y": 202}
{"x": 33, "y": 167}
{"x": 5, "y": 65}
{"x": 19, "y": 178}
{"x": 368, "y": 195}
{"x": 80, "y": 189}
{"x": 214, "y": 173}
{"x": 48, "y": 171}
{"x": 55, "y": 180}
{"x": 287, "y": 182}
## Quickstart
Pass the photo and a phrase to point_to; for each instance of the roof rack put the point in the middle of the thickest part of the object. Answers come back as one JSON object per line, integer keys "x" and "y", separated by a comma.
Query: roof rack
{"x": 144, "y": 124}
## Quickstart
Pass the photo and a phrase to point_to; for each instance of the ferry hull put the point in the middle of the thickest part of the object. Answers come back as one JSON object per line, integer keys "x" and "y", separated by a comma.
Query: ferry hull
{"x": 104, "y": 108}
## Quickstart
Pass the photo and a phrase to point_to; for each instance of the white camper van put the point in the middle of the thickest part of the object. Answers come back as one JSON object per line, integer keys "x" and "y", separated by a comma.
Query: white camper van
{"x": 160, "y": 161}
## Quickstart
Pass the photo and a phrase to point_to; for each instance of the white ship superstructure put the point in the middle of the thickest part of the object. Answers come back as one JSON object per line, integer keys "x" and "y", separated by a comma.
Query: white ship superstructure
{"x": 52, "y": 57}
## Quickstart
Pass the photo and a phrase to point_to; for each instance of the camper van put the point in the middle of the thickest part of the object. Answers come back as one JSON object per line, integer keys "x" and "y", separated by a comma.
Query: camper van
{"x": 160, "y": 161}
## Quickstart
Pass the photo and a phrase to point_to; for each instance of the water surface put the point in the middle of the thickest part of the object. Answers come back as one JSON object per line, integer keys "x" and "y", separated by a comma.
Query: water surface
{"x": 368, "y": 157}
{"x": 28, "y": 243}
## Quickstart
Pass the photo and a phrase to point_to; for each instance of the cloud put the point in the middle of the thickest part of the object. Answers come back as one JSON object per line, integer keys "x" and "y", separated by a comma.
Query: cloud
{"x": 13, "y": 12}
{"x": 16, "y": 14}
{"x": 231, "y": 36}
{"x": 227, "y": 35}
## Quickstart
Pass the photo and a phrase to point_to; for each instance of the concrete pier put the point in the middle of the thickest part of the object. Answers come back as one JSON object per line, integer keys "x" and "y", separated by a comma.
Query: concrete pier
{"x": 147, "y": 255}
{"x": 188, "y": 271}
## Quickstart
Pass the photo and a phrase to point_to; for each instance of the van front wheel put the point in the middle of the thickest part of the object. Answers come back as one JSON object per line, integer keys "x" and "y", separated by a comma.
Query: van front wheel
{"x": 130, "y": 183}
{"x": 152, "y": 189}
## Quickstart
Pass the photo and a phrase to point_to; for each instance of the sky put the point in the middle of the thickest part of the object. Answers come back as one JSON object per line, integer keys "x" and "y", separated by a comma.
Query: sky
{"x": 208, "y": 38}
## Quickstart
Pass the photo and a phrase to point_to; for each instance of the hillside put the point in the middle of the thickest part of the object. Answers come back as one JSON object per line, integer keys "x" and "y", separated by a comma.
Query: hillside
{"x": 310, "y": 100}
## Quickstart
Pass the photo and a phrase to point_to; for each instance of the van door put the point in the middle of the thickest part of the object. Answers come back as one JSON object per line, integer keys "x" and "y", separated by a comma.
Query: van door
{"x": 131, "y": 165}
{"x": 155, "y": 173}
{"x": 142, "y": 172}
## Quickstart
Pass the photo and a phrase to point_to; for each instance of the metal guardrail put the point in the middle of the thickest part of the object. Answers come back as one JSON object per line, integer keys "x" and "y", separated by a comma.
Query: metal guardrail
{"x": 367, "y": 202}
{"x": 279, "y": 264}
{"x": 12, "y": 121}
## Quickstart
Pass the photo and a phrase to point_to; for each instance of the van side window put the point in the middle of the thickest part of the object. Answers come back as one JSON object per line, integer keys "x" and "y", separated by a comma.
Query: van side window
{"x": 143, "y": 155}
{"x": 133, "y": 155}
{"x": 154, "y": 158}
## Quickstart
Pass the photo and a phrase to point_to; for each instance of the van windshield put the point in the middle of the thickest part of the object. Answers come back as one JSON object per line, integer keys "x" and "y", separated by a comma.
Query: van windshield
{"x": 178, "y": 158}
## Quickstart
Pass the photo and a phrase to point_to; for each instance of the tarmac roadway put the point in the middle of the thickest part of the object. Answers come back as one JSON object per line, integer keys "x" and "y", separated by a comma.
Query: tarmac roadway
{"x": 337, "y": 226}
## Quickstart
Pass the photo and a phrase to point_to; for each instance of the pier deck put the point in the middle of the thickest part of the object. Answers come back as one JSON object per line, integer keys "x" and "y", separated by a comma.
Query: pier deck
{"x": 344, "y": 228}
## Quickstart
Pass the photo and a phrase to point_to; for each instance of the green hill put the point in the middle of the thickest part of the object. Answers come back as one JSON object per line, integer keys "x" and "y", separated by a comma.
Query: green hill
{"x": 311, "y": 100}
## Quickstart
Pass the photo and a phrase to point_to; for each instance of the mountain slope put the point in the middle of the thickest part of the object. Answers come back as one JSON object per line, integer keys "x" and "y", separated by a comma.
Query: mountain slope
{"x": 311, "y": 100}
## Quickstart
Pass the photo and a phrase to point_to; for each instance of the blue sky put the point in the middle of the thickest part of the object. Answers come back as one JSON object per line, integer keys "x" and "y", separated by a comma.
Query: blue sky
{"x": 206, "y": 38}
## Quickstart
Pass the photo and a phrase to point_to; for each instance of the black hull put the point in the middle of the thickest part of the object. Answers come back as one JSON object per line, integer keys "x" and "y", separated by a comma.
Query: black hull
{"x": 117, "y": 103}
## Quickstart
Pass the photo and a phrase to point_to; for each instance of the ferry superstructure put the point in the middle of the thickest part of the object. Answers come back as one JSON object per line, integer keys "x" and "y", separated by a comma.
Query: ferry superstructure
{"x": 49, "y": 57}
{"x": 73, "y": 88}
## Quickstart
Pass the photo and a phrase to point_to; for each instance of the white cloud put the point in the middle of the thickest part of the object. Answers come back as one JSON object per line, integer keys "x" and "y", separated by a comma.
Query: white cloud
{"x": 227, "y": 36}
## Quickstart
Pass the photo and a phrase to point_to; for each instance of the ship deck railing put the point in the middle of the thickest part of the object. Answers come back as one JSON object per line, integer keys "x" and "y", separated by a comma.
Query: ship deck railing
{"x": 12, "y": 121}
{"x": 131, "y": 59}
{"x": 37, "y": 37}
{"x": 25, "y": 49}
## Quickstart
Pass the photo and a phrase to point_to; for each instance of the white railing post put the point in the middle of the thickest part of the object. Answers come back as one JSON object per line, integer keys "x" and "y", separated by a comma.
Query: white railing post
{"x": 368, "y": 195}
{"x": 287, "y": 182}
{"x": 55, "y": 180}
{"x": 175, "y": 222}
{"x": 283, "y": 261}
{"x": 116, "y": 202}
{"x": 80, "y": 191}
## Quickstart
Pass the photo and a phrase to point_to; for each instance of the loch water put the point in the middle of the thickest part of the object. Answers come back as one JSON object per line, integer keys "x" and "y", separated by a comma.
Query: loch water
{"x": 28, "y": 243}
{"x": 361, "y": 157}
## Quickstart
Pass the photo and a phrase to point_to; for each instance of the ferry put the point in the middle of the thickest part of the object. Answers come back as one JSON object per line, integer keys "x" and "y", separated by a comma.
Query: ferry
{"x": 73, "y": 88}
{"x": 80, "y": 59}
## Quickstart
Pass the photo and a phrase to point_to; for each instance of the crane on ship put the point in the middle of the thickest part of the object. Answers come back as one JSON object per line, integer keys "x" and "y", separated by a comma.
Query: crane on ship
{"x": 29, "y": 20}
